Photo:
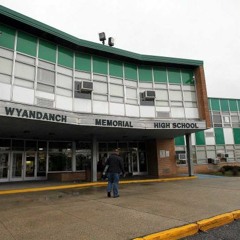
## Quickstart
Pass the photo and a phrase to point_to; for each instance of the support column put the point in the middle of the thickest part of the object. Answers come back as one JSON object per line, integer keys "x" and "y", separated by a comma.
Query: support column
{"x": 94, "y": 160}
{"x": 189, "y": 155}
{"x": 74, "y": 156}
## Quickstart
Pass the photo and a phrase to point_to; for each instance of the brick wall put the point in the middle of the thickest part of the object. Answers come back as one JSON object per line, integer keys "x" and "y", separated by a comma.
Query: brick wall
{"x": 202, "y": 95}
{"x": 164, "y": 166}
{"x": 205, "y": 168}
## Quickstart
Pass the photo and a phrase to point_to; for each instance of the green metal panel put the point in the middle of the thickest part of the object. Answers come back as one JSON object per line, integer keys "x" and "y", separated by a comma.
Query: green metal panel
{"x": 209, "y": 104}
{"x": 215, "y": 104}
{"x": 174, "y": 75}
{"x": 219, "y": 136}
{"x": 238, "y": 105}
{"x": 27, "y": 44}
{"x": 200, "y": 138}
{"x": 179, "y": 141}
{"x": 7, "y": 37}
{"x": 224, "y": 104}
{"x": 115, "y": 68}
{"x": 57, "y": 34}
{"x": 130, "y": 71}
{"x": 160, "y": 74}
{"x": 47, "y": 51}
{"x": 233, "y": 105}
{"x": 236, "y": 134}
{"x": 83, "y": 62}
{"x": 100, "y": 65}
{"x": 65, "y": 57}
{"x": 145, "y": 74}
{"x": 187, "y": 76}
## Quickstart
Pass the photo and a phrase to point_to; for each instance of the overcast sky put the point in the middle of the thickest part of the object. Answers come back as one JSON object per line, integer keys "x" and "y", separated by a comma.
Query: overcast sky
{"x": 207, "y": 30}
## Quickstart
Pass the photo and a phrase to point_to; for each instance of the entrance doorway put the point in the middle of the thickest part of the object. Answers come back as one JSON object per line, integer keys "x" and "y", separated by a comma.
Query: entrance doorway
{"x": 135, "y": 162}
{"x": 4, "y": 166}
{"x": 16, "y": 170}
{"x": 133, "y": 154}
{"x": 23, "y": 167}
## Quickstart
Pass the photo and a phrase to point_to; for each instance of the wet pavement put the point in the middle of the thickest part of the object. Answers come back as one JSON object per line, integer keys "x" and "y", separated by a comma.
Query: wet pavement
{"x": 86, "y": 212}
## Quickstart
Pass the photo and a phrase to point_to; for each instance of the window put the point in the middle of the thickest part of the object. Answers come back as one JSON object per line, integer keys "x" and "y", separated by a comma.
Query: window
{"x": 60, "y": 156}
{"x": 64, "y": 85}
{"x": 6, "y": 65}
{"x": 116, "y": 92}
{"x": 145, "y": 101}
{"x": 24, "y": 71}
{"x": 45, "y": 80}
{"x": 83, "y": 156}
{"x": 79, "y": 94}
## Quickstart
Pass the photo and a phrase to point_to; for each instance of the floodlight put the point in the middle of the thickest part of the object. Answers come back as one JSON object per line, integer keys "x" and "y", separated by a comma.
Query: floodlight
{"x": 102, "y": 37}
{"x": 111, "y": 41}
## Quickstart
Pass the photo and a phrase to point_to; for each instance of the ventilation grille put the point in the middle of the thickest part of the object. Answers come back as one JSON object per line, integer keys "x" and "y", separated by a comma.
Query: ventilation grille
{"x": 163, "y": 114}
{"x": 45, "y": 103}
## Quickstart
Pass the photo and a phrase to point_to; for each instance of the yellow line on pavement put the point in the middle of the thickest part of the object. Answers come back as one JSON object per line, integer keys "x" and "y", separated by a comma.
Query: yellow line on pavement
{"x": 92, "y": 184}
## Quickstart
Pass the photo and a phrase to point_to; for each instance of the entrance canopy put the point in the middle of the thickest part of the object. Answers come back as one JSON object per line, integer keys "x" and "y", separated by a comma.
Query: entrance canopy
{"x": 35, "y": 129}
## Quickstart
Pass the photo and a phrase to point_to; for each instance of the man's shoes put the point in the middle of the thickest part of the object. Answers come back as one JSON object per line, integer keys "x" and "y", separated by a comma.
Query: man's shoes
{"x": 116, "y": 196}
{"x": 109, "y": 194}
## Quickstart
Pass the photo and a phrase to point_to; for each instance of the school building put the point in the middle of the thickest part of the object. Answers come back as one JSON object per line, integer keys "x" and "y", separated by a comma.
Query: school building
{"x": 66, "y": 103}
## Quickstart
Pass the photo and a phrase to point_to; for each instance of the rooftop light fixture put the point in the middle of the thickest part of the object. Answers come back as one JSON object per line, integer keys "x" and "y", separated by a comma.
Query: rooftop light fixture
{"x": 111, "y": 41}
{"x": 102, "y": 37}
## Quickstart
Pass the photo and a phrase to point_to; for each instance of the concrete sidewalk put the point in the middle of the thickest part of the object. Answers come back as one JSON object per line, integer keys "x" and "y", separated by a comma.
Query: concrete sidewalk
{"x": 86, "y": 213}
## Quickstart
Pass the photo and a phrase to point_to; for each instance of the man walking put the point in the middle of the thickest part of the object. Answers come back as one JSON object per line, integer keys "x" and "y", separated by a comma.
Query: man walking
{"x": 115, "y": 167}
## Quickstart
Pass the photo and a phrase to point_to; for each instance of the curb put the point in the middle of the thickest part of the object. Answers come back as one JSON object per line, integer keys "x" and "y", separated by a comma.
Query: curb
{"x": 93, "y": 184}
{"x": 193, "y": 228}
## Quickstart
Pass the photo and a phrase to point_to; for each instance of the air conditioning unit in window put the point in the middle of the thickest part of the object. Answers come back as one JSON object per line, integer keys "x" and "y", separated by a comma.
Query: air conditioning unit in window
{"x": 86, "y": 86}
{"x": 149, "y": 95}
{"x": 181, "y": 156}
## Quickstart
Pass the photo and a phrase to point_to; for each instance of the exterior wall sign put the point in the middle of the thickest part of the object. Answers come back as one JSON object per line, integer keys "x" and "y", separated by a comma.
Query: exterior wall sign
{"x": 113, "y": 123}
{"x": 175, "y": 125}
{"x": 102, "y": 121}
{"x": 23, "y": 113}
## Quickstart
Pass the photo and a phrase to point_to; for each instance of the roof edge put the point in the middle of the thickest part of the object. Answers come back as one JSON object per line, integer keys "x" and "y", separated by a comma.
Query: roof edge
{"x": 91, "y": 45}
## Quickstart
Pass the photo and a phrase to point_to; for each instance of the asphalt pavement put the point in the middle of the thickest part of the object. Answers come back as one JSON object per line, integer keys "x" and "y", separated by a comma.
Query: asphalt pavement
{"x": 84, "y": 212}
{"x": 227, "y": 232}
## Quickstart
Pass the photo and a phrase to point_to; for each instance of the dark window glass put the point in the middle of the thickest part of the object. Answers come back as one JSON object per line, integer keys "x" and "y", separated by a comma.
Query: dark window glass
{"x": 60, "y": 156}
{"x": 5, "y": 144}
{"x": 17, "y": 145}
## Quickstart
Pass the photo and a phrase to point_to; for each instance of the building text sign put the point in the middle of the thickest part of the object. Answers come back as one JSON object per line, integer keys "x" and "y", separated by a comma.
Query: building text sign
{"x": 30, "y": 114}
{"x": 113, "y": 123}
{"x": 175, "y": 125}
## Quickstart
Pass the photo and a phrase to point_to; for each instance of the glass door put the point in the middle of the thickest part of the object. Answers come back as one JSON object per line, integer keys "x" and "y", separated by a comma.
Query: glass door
{"x": 30, "y": 165}
{"x": 17, "y": 166}
{"x": 4, "y": 166}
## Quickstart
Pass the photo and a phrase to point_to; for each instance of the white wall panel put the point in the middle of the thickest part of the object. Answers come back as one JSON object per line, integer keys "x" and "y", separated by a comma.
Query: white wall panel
{"x": 5, "y": 66}
{"x": 82, "y": 105}
{"x": 23, "y": 95}
{"x": 41, "y": 94}
{"x": 177, "y": 112}
{"x": 132, "y": 111}
{"x": 193, "y": 138}
{"x": 117, "y": 109}
{"x": 191, "y": 113}
{"x": 163, "y": 109}
{"x": 147, "y": 111}
{"x": 228, "y": 135}
{"x": 64, "y": 103}
{"x": 100, "y": 107}
{"x": 5, "y": 91}
{"x": 209, "y": 136}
